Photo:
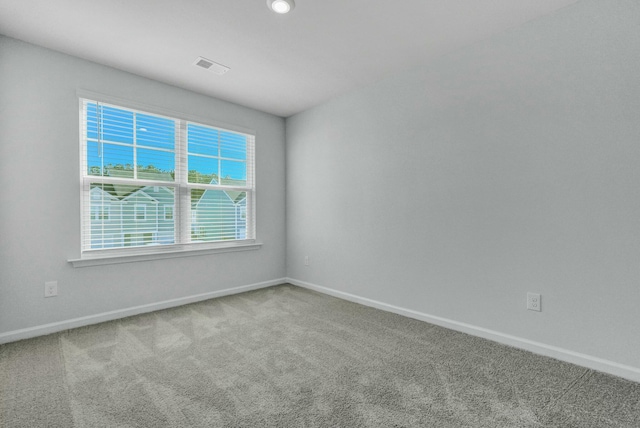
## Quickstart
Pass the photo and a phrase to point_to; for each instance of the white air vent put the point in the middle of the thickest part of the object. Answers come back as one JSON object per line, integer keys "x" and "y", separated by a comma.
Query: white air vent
{"x": 212, "y": 66}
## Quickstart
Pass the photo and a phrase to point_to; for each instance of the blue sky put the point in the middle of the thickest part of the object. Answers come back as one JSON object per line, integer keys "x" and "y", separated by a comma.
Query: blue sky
{"x": 157, "y": 135}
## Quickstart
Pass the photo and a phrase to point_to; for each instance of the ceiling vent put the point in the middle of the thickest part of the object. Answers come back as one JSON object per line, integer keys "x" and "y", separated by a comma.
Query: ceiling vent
{"x": 212, "y": 66}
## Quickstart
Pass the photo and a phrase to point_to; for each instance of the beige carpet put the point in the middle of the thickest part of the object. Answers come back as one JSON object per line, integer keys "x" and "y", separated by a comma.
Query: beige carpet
{"x": 289, "y": 357}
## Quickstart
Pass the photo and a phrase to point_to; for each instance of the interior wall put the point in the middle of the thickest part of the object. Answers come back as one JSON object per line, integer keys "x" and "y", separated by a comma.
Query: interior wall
{"x": 510, "y": 166}
{"x": 40, "y": 195}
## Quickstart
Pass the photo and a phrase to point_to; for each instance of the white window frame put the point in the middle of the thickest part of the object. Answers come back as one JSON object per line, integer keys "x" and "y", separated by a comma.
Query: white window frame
{"x": 167, "y": 209}
{"x": 100, "y": 213}
{"x": 182, "y": 205}
{"x": 137, "y": 209}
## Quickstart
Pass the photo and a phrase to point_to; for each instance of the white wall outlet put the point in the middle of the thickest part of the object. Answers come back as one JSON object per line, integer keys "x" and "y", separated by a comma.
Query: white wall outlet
{"x": 306, "y": 260}
{"x": 534, "y": 302}
{"x": 50, "y": 288}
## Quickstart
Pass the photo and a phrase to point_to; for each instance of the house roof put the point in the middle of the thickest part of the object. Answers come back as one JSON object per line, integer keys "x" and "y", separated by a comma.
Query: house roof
{"x": 234, "y": 195}
{"x": 116, "y": 190}
{"x": 103, "y": 191}
{"x": 125, "y": 191}
{"x": 141, "y": 191}
{"x": 122, "y": 191}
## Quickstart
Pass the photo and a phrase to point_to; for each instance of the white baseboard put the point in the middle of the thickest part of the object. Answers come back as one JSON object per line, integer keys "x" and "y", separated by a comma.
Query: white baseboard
{"x": 55, "y": 327}
{"x": 588, "y": 361}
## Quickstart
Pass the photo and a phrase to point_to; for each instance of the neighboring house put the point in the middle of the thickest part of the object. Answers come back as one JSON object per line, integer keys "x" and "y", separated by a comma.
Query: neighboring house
{"x": 129, "y": 216}
{"x": 218, "y": 215}
{"x": 106, "y": 213}
{"x": 147, "y": 216}
{"x": 126, "y": 216}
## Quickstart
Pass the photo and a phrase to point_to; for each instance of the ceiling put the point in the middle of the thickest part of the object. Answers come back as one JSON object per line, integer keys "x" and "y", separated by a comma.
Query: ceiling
{"x": 280, "y": 64}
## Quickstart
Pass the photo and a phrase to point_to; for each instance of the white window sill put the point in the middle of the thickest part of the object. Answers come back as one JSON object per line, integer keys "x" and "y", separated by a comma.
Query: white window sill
{"x": 142, "y": 256}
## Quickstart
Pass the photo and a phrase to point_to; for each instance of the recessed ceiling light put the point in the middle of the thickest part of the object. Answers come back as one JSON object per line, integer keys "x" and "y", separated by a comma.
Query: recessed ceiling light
{"x": 281, "y": 6}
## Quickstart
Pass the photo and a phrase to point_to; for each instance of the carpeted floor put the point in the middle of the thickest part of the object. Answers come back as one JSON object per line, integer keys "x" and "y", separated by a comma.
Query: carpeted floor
{"x": 289, "y": 357}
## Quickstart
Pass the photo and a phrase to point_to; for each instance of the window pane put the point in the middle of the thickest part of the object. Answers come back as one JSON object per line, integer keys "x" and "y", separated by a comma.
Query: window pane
{"x": 116, "y": 124}
{"x": 233, "y": 173}
{"x": 117, "y": 160}
{"x": 126, "y": 215}
{"x": 203, "y": 170}
{"x": 168, "y": 212}
{"x": 202, "y": 140}
{"x": 92, "y": 121}
{"x": 217, "y": 215}
{"x": 140, "y": 212}
{"x": 94, "y": 159}
{"x": 109, "y": 160}
{"x": 155, "y": 165}
{"x": 233, "y": 146}
{"x": 153, "y": 131}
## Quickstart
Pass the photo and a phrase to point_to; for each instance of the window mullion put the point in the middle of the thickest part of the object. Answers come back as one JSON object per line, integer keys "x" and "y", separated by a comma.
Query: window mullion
{"x": 135, "y": 149}
{"x": 183, "y": 203}
{"x": 219, "y": 155}
{"x": 100, "y": 119}
{"x": 251, "y": 183}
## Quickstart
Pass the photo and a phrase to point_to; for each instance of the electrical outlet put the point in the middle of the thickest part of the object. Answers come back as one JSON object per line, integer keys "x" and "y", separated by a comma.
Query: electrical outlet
{"x": 50, "y": 288}
{"x": 534, "y": 302}
{"x": 306, "y": 260}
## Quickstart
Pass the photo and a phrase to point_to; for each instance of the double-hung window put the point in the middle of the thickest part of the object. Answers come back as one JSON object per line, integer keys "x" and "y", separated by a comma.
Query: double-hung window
{"x": 151, "y": 182}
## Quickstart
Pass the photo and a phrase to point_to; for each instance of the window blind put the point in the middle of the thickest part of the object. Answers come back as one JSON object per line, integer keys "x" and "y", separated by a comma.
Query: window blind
{"x": 154, "y": 181}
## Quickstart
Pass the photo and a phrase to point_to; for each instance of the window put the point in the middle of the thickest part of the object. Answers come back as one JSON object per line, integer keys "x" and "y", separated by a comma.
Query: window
{"x": 140, "y": 213}
{"x": 166, "y": 182}
{"x": 168, "y": 212}
{"x": 100, "y": 212}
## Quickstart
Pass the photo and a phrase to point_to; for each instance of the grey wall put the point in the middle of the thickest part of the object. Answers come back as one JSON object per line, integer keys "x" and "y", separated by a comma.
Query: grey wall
{"x": 510, "y": 166}
{"x": 451, "y": 189}
{"x": 40, "y": 199}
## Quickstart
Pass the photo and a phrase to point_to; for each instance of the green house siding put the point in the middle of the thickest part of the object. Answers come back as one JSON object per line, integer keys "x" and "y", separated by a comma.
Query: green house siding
{"x": 130, "y": 216}
{"x": 136, "y": 216}
{"x": 218, "y": 217}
